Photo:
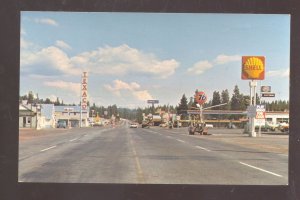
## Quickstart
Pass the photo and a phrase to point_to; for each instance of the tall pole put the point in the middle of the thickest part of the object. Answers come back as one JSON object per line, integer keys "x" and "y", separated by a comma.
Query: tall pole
{"x": 80, "y": 123}
{"x": 253, "y": 85}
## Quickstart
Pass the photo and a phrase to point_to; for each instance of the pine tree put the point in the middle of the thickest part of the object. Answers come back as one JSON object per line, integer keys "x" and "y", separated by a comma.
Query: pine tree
{"x": 225, "y": 99}
{"x": 236, "y": 99}
{"x": 183, "y": 105}
{"x": 216, "y": 100}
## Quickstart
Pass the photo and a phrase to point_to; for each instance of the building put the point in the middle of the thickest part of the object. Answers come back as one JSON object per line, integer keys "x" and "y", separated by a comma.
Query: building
{"x": 46, "y": 119}
{"x": 27, "y": 115}
{"x": 71, "y": 116}
{"x": 277, "y": 117}
{"x": 40, "y": 116}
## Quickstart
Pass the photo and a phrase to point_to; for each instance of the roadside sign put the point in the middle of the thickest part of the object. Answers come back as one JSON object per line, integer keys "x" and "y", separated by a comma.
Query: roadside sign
{"x": 260, "y": 112}
{"x": 268, "y": 94}
{"x": 265, "y": 89}
{"x": 253, "y": 67}
{"x": 200, "y": 97}
{"x": 260, "y": 115}
{"x": 259, "y": 122}
{"x": 152, "y": 101}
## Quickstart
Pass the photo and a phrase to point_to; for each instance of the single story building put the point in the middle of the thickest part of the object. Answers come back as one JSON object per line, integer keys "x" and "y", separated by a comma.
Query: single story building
{"x": 71, "y": 116}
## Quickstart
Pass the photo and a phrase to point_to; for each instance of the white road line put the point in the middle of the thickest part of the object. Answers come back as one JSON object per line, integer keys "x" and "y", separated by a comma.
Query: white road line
{"x": 73, "y": 139}
{"x": 180, "y": 140}
{"x": 48, "y": 148}
{"x": 260, "y": 169}
{"x": 202, "y": 148}
{"x": 284, "y": 155}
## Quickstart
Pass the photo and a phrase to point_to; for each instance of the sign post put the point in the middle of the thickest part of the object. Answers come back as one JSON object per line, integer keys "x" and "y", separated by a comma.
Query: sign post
{"x": 152, "y": 101}
{"x": 84, "y": 96}
{"x": 200, "y": 98}
{"x": 253, "y": 68}
{"x": 260, "y": 117}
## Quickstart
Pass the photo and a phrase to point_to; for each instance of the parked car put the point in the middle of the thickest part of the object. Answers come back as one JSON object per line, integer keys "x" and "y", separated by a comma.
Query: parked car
{"x": 209, "y": 125}
{"x": 61, "y": 124}
{"x": 133, "y": 126}
{"x": 268, "y": 126}
{"x": 283, "y": 127}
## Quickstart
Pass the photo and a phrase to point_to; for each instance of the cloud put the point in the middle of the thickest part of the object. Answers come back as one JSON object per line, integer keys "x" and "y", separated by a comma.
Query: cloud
{"x": 223, "y": 59}
{"x": 116, "y": 61}
{"x": 46, "y": 21}
{"x": 200, "y": 67}
{"x": 63, "y": 85}
{"x": 62, "y": 44}
{"x": 283, "y": 73}
{"x": 133, "y": 88}
{"x": 49, "y": 61}
{"x": 25, "y": 44}
{"x": 23, "y": 32}
{"x": 52, "y": 97}
{"x": 142, "y": 95}
{"x": 123, "y": 60}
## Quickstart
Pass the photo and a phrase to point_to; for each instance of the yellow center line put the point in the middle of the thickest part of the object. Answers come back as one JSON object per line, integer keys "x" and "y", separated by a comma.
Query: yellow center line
{"x": 140, "y": 173}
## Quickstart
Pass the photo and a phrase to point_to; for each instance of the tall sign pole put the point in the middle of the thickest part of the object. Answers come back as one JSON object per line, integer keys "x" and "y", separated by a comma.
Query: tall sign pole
{"x": 253, "y": 68}
{"x": 153, "y": 101}
{"x": 200, "y": 98}
{"x": 84, "y": 95}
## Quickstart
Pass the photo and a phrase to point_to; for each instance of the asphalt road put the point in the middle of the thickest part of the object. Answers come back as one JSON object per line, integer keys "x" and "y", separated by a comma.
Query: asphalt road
{"x": 152, "y": 156}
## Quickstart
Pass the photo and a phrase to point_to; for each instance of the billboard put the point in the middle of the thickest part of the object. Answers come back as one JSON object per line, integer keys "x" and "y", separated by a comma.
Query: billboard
{"x": 152, "y": 101}
{"x": 253, "y": 67}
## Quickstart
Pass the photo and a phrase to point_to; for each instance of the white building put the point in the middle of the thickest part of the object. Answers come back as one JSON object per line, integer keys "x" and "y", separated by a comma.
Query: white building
{"x": 71, "y": 115}
{"x": 46, "y": 119}
{"x": 277, "y": 117}
{"x": 27, "y": 115}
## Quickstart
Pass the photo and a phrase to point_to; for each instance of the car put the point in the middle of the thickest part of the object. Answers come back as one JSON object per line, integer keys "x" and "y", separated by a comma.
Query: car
{"x": 284, "y": 127}
{"x": 209, "y": 125}
{"x": 61, "y": 124}
{"x": 268, "y": 126}
{"x": 133, "y": 126}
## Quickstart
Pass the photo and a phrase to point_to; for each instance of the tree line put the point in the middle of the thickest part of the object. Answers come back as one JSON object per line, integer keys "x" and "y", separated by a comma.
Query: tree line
{"x": 237, "y": 101}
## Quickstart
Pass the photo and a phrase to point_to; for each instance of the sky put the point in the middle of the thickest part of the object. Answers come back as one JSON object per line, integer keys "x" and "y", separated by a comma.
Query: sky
{"x": 134, "y": 57}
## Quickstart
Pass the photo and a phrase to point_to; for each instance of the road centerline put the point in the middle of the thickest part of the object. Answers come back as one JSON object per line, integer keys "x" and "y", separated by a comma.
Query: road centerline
{"x": 140, "y": 173}
{"x": 180, "y": 141}
{"x": 260, "y": 169}
{"x": 48, "y": 148}
{"x": 202, "y": 148}
{"x": 73, "y": 139}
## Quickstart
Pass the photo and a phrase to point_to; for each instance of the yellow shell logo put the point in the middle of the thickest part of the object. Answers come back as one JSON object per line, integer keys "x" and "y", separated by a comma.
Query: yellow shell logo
{"x": 253, "y": 68}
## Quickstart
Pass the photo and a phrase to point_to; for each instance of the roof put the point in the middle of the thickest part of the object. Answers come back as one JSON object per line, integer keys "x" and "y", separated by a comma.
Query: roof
{"x": 25, "y": 111}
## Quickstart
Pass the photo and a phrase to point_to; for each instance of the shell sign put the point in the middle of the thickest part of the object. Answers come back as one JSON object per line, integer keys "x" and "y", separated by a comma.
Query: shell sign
{"x": 253, "y": 67}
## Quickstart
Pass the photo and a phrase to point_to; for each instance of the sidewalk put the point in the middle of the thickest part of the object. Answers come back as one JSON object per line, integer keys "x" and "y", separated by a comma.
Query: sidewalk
{"x": 29, "y": 133}
{"x": 267, "y": 142}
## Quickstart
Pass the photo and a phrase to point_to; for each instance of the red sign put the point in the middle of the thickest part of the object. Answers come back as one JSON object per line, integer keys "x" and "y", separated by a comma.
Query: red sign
{"x": 200, "y": 97}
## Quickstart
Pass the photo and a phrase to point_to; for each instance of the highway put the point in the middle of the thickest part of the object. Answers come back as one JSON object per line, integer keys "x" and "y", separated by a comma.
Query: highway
{"x": 152, "y": 156}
